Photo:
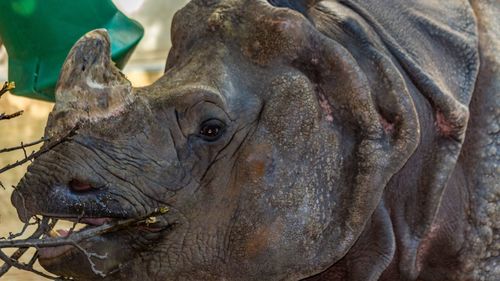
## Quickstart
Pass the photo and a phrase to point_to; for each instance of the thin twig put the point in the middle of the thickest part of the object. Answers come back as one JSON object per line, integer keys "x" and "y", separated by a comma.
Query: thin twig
{"x": 23, "y": 145}
{"x": 72, "y": 239}
{"x": 44, "y": 149}
{"x": 80, "y": 217}
{"x": 4, "y": 116}
{"x": 33, "y": 259}
{"x": 22, "y": 266}
{"x": 15, "y": 235}
{"x": 43, "y": 227}
{"x": 82, "y": 235}
{"x": 7, "y": 86}
{"x": 25, "y": 153}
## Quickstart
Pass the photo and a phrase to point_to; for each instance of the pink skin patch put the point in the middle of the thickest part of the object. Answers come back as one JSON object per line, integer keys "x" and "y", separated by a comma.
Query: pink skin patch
{"x": 77, "y": 185}
{"x": 63, "y": 233}
{"x": 388, "y": 126}
{"x": 426, "y": 244}
{"x": 444, "y": 127}
{"x": 327, "y": 108}
{"x": 96, "y": 221}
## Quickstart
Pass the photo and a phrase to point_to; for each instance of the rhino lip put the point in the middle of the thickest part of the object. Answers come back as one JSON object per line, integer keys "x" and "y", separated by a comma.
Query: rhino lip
{"x": 50, "y": 253}
{"x": 105, "y": 231}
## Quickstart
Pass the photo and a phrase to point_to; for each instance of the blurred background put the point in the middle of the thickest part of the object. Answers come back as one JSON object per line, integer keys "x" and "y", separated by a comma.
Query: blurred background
{"x": 144, "y": 67}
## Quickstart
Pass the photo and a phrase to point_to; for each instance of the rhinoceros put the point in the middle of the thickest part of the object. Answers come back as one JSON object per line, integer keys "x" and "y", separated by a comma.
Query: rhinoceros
{"x": 291, "y": 140}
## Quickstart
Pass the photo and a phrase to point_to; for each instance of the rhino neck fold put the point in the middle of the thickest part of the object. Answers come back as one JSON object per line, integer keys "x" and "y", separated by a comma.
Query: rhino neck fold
{"x": 415, "y": 194}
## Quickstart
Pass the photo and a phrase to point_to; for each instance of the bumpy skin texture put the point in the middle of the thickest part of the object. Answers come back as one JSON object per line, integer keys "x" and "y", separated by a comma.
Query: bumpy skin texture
{"x": 343, "y": 147}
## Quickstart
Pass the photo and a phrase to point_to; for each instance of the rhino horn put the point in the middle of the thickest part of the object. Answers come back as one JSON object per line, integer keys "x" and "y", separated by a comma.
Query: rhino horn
{"x": 90, "y": 86}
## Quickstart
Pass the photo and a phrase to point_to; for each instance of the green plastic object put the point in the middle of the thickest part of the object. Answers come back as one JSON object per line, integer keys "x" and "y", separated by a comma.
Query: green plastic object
{"x": 38, "y": 35}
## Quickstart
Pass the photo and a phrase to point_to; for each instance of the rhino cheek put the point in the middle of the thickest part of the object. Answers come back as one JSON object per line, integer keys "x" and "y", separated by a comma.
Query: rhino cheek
{"x": 277, "y": 183}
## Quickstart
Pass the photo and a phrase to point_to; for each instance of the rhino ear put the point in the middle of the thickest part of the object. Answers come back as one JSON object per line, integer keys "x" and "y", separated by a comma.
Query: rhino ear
{"x": 90, "y": 86}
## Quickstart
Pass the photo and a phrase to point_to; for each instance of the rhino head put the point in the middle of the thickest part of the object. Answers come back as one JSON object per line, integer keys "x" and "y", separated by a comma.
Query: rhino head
{"x": 270, "y": 143}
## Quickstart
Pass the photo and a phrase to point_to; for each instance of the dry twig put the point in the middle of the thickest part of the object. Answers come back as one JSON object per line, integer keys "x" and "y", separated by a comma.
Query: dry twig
{"x": 7, "y": 86}
{"x": 77, "y": 237}
{"x": 44, "y": 149}
{"x": 23, "y": 146}
{"x": 44, "y": 224}
{"x": 73, "y": 239}
{"x": 4, "y": 116}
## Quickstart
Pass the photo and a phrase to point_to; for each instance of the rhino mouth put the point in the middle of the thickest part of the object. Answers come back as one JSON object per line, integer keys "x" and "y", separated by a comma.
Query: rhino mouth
{"x": 90, "y": 225}
{"x": 100, "y": 234}
{"x": 54, "y": 254}
{"x": 102, "y": 251}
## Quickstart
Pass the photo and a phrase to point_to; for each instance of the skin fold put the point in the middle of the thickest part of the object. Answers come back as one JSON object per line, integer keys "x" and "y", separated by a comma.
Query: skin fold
{"x": 291, "y": 140}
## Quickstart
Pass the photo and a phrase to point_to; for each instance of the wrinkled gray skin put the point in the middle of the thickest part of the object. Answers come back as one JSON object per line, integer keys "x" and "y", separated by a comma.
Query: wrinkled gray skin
{"x": 329, "y": 140}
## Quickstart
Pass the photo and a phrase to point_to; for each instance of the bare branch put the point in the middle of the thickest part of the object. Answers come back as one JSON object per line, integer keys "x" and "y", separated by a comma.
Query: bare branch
{"x": 23, "y": 230}
{"x": 80, "y": 217}
{"x": 23, "y": 145}
{"x": 4, "y": 116}
{"x": 80, "y": 236}
{"x": 44, "y": 149}
{"x": 33, "y": 259}
{"x": 7, "y": 86}
{"x": 25, "y": 153}
{"x": 43, "y": 226}
{"x": 16, "y": 264}
{"x": 72, "y": 239}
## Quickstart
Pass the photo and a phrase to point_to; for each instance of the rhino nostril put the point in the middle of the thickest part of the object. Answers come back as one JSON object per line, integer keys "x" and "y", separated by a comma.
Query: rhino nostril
{"x": 77, "y": 185}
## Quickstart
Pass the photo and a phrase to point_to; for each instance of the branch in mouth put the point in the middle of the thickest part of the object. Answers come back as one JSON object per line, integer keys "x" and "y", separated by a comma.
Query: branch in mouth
{"x": 72, "y": 239}
{"x": 43, "y": 226}
{"x": 77, "y": 237}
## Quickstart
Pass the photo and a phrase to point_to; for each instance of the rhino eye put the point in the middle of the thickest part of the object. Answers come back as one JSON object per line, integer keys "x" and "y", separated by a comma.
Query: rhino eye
{"x": 211, "y": 130}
